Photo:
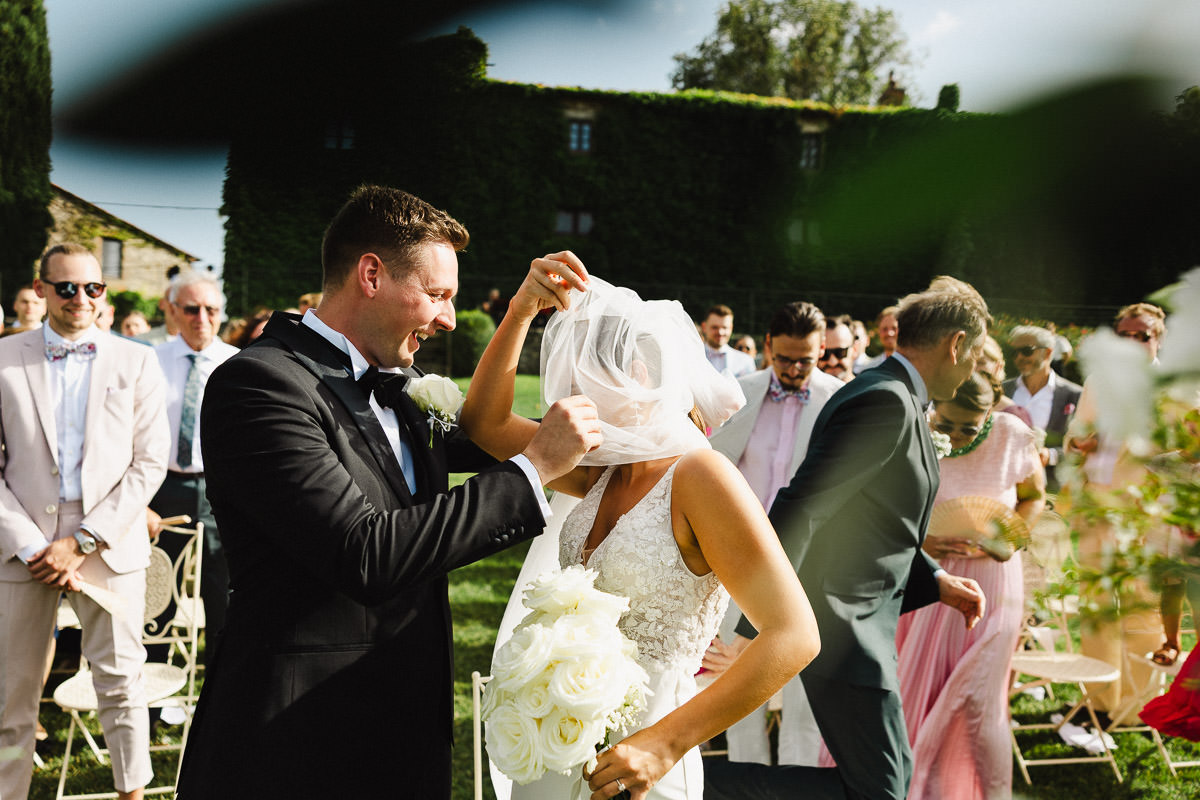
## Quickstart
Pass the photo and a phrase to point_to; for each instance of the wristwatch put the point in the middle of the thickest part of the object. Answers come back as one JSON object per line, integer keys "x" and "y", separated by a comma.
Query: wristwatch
{"x": 87, "y": 544}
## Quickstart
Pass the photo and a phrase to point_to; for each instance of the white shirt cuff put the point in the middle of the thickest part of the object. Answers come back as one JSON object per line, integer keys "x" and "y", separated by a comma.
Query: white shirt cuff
{"x": 83, "y": 526}
{"x": 1052, "y": 460}
{"x": 30, "y": 550}
{"x": 535, "y": 481}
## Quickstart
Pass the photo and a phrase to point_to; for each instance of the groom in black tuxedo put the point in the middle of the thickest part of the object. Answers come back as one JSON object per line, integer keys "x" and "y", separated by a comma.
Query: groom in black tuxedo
{"x": 852, "y": 520}
{"x": 333, "y": 676}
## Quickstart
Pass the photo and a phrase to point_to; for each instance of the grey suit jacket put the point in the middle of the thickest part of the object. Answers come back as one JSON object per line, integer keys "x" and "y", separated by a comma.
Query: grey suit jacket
{"x": 853, "y": 520}
{"x": 732, "y": 437}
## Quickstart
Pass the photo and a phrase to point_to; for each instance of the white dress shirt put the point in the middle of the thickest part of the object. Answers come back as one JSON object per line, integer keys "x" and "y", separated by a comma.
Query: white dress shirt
{"x": 70, "y": 378}
{"x": 1038, "y": 405}
{"x": 731, "y": 362}
{"x": 391, "y": 425}
{"x": 173, "y": 358}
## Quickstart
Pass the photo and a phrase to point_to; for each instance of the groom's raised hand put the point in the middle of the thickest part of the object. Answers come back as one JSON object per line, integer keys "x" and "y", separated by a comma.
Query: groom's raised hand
{"x": 570, "y": 430}
{"x": 548, "y": 284}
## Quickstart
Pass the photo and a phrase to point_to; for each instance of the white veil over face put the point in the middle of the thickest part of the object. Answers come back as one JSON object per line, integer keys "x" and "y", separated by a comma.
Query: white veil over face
{"x": 642, "y": 363}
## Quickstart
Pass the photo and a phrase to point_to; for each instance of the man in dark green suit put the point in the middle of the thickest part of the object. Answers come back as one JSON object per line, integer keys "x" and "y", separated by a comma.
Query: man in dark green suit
{"x": 852, "y": 520}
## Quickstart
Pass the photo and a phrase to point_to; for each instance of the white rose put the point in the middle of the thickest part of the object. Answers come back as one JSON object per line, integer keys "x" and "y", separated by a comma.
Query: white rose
{"x": 513, "y": 744}
{"x": 576, "y": 637}
{"x": 557, "y": 592}
{"x": 533, "y": 699}
{"x": 590, "y": 688}
{"x": 522, "y": 657}
{"x": 436, "y": 393}
{"x": 565, "y": 741}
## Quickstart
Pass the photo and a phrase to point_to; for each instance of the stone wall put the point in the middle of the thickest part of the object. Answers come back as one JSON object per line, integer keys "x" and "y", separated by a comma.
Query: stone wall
{"x": 144, "y": 260}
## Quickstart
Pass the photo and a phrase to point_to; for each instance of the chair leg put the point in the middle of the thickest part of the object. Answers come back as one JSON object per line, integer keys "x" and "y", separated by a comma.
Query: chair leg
{"x": 62, "y": 775}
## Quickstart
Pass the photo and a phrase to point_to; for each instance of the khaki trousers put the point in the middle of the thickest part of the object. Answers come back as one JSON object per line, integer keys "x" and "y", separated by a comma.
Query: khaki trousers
{"x": 114, "y": 652}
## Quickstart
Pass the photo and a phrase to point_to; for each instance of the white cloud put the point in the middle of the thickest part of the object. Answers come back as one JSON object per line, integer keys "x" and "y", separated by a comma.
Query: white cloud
{"x": 943, "y": 24}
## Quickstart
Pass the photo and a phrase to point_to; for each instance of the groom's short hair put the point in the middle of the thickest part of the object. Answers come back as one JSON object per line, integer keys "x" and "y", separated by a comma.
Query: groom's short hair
{"x": 388, "y": 222}
{"x": 798, "y": 319}
{"x": 946, "y": 307}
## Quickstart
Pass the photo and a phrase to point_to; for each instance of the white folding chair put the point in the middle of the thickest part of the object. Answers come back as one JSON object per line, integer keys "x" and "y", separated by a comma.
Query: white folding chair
{"x": 477, "y": 682}
{"x": 1071, "y": 668}
{"x": 166, "y": 579}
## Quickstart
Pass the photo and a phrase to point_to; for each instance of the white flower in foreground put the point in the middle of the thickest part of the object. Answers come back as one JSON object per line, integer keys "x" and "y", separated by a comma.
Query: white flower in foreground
{"x": 567, "y": 741}
{"x": 1120, "y": 380}
{"x": 522, "y": 657}
{"x": 436, "y": 393}
{"x": 513, "y": 743}
{"x": 1180, "y": 351}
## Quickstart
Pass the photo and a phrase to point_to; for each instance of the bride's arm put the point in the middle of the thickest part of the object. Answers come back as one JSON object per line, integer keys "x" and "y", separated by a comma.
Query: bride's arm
{"x": 486, "y": 415}
{"x": 734, "y": 538}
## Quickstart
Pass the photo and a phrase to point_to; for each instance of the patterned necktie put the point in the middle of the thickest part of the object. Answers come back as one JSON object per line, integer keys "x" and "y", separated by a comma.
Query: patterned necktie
{"x": 386, "y": 386}
{"x": 57, "y": 352}
{"x": 778, "y": 394}
{"x": 187, "y": 417}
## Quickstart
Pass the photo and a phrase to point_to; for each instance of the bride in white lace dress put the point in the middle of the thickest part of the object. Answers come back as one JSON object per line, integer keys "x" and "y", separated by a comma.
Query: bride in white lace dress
{"x": 665, "y": 520}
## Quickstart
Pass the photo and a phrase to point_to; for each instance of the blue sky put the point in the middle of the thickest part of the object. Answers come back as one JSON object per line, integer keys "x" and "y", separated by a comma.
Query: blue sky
{"x": 1001, "y": 55}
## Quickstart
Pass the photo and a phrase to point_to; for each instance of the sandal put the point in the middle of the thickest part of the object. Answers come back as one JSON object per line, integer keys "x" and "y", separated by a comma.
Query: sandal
{"x": 1166, "y": 655}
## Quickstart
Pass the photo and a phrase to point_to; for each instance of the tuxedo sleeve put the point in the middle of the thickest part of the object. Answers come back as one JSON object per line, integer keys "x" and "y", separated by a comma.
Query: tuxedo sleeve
{"x": 278, "y": 457}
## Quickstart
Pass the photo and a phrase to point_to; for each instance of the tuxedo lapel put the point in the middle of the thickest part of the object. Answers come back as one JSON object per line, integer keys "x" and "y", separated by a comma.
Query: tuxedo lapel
{"x": 37, "y": 372}
{"x": 929, "y": 461}
{"x": 102, "y": 365}
{"x": 331, "y": 366}
{"x": 425, "y": 450}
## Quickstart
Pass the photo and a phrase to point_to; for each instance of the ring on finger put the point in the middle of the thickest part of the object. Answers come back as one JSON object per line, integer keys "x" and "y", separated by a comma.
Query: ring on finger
{"x": 620, "y": 786}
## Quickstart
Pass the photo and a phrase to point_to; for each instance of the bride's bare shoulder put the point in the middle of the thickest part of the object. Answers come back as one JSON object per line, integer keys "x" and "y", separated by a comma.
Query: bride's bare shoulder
{"x": 705, "y": 469}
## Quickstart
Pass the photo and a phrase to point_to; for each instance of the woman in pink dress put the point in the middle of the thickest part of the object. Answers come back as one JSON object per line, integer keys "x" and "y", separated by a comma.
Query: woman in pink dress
{"x": 954, "y": 681}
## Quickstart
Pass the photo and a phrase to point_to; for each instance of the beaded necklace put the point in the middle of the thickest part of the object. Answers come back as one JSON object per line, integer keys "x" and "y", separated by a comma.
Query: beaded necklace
{"x": 978, "y": 440}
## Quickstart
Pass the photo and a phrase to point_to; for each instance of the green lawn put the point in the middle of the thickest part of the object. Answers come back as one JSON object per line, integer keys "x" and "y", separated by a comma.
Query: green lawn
{"x": 478, "y": 594}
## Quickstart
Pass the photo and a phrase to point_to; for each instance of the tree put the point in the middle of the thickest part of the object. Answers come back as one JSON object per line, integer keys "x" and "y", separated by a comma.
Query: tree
{"x": 826, "y": 50}
{"x": 24, "y": 140}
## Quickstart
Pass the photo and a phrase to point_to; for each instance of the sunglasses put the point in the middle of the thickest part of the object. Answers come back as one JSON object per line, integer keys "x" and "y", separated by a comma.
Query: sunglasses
{"x": 834, "y": 352}
{"x": 68, "y": 289}
{"x": 786, "y": 363}
{"x": 1141, "y": 336}
{"x": 949, "y": 428}
{"x": 194, "y": 310}
{"x": 1028, "y": 350}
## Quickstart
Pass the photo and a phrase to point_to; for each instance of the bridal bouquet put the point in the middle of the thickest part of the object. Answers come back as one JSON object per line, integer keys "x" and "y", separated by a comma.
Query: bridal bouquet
{"x": 565, "y": 679}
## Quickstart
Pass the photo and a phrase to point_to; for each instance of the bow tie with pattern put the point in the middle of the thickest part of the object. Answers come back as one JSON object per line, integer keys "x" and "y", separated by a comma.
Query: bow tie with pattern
{"x": 778, "y": 394}
{"x": 56, "y": 352}
{"x": 386, "y": 386}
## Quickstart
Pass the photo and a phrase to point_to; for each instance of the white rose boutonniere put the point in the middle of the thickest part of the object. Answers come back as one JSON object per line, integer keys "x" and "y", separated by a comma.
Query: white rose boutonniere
{"x": 941, "y": 443}
{"x": 439, "y": 397}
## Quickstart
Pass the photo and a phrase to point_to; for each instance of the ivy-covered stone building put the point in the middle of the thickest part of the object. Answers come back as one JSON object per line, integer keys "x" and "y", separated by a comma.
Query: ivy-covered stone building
{"x": 711, "y": 197}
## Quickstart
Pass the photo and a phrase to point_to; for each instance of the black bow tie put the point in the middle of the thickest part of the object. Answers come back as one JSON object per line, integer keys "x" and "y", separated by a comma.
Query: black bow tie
{"x": 386, "y": 386}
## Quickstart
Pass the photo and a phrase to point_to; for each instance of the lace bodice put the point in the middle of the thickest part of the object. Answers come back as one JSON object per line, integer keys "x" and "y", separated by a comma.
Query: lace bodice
{"x": 673, "y": 613}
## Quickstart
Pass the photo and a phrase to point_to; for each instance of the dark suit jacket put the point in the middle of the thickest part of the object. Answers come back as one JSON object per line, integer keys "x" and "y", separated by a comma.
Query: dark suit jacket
{"x": 333, "y": 677}
{"x": 853, "y": 518}
{"x": 1062, "y": 408}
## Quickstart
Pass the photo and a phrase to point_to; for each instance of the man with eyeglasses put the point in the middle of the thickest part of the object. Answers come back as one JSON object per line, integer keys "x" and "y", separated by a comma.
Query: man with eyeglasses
{"x": 837, "y": 359}
{"x": 187, "y": 361}
{"x": 84, "y": 424}
{"x": 1049, "y": 398}
{"x": 767, "y": 439}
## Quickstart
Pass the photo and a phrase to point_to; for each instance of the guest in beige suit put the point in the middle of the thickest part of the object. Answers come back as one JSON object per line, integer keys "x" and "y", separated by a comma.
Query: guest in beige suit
{"x": 85, "y": 443}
